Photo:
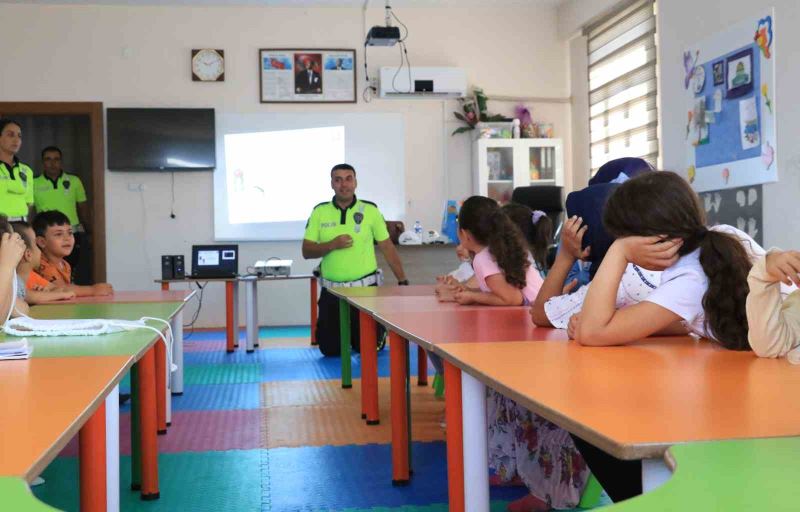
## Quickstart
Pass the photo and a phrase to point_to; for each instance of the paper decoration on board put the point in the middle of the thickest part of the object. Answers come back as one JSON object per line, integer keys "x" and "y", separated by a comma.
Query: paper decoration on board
{"x": 752, "y": 197}
{"x": 741, "y": 198}
{"x": 765, "y": 94}
{"x": 689, "y": 66}
{"x": 763, "y": 37}
{"x": 690, "y": 172}
{"x": 718, "y": 71}
{"x": 712, "y": 203}
{"x": 739, "y": 207}
{"x": 726, "y": 175}
{"x": 748, "y": 123}
{"x": 698, "y": 79}
{"x": 739, "y": 73}
{"x": 717, "y": 101}
{"x": 698, "y": 126}
{"x": 767, "y": 154}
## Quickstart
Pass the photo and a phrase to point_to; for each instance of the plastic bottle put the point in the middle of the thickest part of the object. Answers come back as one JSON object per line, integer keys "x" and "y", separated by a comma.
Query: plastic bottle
{"x": 418, "y": 229}
{"x": 516, "y": 129}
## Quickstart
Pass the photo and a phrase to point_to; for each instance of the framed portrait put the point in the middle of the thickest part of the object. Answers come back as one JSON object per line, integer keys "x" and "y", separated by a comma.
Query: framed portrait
{"x": 307, "y": 75}
{"x": 739, "y": 73}
{"x": 718, "y": 70}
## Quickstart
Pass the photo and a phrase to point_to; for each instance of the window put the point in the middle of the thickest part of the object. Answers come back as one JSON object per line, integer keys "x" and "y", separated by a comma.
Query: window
{"x": 623, "y": 106}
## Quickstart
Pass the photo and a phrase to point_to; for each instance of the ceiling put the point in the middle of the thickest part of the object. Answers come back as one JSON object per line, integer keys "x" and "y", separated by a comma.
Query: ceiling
{"x": 300, "y": 3}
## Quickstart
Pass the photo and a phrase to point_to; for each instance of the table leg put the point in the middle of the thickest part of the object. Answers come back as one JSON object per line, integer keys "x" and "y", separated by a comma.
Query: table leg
{"x": 230, "y": 326}
{"x": 476, "y": 443}
{"x": 369, "y": 367}
{"x": 313, "y": 289}
{"x": 176, "y": 381}
{"x": 655, "y": 473}
{"x": 136, "y": 435}
{"x": 92, "y": 440}
{"x": 165, "y": 287}
{"x": 112, "y": 450}
{"x": 161, "y": 386}
{"x": 236, "y": 315}
{"x": 422, "y": 366}
{"x": 454, "y": 437}
{"x": 251, "y": 314}
{"x": 408, "y": 409}
{"x": 148, "y": 426}
{"x": 399, "y": 412}
{"x": 344, "y": 336}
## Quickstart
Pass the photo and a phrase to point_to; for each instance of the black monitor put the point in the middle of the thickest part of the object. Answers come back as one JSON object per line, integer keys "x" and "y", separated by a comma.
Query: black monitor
{"x": 161, "y": 139}
{"x": 215, "y": 261}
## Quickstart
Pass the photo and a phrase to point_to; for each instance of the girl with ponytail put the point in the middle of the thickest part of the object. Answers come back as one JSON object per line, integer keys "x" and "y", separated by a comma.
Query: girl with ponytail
{"x": 659, "y": 224}
{"x": 503, "y": 265}
{"x": 537, "y": 230}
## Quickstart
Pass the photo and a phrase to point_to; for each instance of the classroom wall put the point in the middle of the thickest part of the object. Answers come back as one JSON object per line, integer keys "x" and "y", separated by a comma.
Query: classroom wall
{"x": 682, "y": 23}
{"x": 139, "y": 56}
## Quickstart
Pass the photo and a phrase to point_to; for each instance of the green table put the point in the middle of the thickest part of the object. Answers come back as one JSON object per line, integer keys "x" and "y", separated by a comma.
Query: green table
{"x": 755, "y": 474}
{"x": 16, "y": 495}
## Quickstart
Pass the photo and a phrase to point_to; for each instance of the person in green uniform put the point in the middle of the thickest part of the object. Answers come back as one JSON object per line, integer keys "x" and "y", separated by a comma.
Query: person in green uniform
{"x": 16, "y": 178}
{"x": 344, "y": 232}
{"x": 54, "y": 189}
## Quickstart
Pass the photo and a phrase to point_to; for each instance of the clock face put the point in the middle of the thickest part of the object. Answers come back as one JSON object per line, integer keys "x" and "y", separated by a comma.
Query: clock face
{"x": 208, "y": 65}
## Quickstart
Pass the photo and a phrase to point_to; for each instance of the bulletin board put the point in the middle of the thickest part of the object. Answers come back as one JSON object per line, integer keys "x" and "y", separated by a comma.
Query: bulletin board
{"x": 729, "y": 84}
{"x": 738, "y": 207}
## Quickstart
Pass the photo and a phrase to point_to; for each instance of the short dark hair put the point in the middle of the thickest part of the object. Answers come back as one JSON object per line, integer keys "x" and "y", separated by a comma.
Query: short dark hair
{"x": 21, "y": 228}
{"x": 5, "y": 227}
{"x": 5, "y": 121}
{"x": 52, "y": 148}
{"x": 44, "y": 220}
{"x": 342, "y": 167}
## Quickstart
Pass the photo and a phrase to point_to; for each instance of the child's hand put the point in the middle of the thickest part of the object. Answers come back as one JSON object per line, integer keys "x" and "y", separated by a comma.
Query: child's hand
{"x": 464, "y": 297}
{"x": 572, "y": 326}
{"x": 567, "y": 289}
{"x": 66, "y": 295}
{"x": 446, "y": 292}
{"x": 12, "y": 247}
{"x": 784, "y": 266}
{"x": 102, "y": 289}
{"x": 572, "y": 237}
{"x": 651, "y": 252}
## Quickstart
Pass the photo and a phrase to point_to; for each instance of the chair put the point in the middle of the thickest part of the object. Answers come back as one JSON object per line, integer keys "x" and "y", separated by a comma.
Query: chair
{"x": 549, "y": 199}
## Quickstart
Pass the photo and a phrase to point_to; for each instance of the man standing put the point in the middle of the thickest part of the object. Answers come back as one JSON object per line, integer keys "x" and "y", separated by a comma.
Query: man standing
{"x": 57, "y": 190}
{"x": 16, "y": 178}
{"x": 343, "y": 232}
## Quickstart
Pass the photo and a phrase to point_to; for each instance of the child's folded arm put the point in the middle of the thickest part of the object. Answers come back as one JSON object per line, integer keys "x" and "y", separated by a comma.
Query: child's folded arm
{"x": 773, "y": 324}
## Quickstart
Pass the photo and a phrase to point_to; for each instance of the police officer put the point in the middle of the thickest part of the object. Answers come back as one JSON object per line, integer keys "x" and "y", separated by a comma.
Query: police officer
{"x": 343, "y": 232}
{"x": 57, "y": 190}
{"x": 16, "y": 178}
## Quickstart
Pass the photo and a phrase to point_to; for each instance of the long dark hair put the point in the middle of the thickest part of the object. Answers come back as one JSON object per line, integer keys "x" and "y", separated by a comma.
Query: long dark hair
{"x": 539, "y": 235}
{"x": 663, "y": 203}
{"x": 491, "y": 227}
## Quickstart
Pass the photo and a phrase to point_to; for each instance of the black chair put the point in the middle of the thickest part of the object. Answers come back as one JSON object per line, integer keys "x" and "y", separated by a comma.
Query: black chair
{"x": 550, "y": 200}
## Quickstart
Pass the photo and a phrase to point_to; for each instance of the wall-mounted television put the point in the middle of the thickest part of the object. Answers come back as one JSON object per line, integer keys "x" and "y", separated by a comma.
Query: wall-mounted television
{"x": 161, "y": 139}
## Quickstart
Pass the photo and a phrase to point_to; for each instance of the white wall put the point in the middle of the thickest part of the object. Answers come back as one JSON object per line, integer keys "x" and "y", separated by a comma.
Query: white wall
{"x": 139, "y": 56}
{"x": 682, "y": 23}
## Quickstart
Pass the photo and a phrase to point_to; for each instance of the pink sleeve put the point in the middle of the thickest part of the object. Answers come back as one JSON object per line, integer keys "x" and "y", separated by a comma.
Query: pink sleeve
{"x": 484, "y": 266}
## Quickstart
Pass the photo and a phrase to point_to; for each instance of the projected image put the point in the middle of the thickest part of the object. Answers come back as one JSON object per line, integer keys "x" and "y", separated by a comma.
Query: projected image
{"x": 279, "y": 176}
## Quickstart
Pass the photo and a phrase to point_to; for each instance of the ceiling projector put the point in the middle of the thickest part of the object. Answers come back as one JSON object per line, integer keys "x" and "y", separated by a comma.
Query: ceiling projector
{"x": 383, "y": 36}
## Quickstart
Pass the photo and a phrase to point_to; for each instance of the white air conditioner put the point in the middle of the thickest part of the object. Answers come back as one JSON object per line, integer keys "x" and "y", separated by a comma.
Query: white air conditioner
{"x": 422, "y": 83}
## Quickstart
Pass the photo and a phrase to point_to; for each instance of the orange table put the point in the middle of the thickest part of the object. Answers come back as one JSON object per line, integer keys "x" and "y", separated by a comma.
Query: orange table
{"x": 633, "y": 402}
{"x": 45, "y": 405}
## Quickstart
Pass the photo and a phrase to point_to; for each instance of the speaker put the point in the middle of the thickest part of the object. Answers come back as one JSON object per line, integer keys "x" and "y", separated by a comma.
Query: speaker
{"x": 167, "y": 271}
{"x": 178, "y": 267}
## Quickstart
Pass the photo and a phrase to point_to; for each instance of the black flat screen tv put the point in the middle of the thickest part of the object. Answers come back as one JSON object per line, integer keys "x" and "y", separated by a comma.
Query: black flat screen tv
{"x": 161, "y": 139}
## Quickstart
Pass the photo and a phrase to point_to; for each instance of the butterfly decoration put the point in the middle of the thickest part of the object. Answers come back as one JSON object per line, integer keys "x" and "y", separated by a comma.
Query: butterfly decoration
{"x": 763, "y": 37}
{"x": 767, "y": 154}
{"x": 689, "y": 66}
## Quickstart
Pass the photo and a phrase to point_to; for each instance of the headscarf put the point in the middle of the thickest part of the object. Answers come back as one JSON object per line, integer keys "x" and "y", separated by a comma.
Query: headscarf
{"x": 590, "y": 202}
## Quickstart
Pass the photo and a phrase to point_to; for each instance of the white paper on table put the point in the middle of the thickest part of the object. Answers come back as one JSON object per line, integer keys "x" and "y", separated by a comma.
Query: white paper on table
{"x": 748, "y": 123}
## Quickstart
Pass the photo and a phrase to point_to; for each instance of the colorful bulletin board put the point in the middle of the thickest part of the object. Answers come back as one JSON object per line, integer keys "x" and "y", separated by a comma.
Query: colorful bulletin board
{"x": 729, "y": 83}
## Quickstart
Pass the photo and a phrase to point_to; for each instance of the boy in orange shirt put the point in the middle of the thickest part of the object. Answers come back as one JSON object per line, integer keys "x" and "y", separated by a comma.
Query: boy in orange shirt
{"x": 28, "y": 265}
{"x": 54, "y": 237}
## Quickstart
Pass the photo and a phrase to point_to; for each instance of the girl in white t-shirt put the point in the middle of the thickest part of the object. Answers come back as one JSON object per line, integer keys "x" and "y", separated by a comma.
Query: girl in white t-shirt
{"x": 659, "y": 224}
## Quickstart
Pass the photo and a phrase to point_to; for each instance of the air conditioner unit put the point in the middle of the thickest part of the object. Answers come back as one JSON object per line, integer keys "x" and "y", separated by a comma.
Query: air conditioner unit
{"x": 422, "y": 83}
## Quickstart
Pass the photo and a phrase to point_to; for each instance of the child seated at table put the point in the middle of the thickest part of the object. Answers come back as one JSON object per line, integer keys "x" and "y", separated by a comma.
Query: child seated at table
{"x": 12, "y": 248}
{"x": 54, "y": 237}
{"x": 34, "y": 291}
{"x": 774, "y": 317}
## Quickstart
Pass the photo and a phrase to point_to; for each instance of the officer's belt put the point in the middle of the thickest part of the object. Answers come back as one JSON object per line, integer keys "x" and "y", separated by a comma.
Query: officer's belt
{"x": 374, "y": 278}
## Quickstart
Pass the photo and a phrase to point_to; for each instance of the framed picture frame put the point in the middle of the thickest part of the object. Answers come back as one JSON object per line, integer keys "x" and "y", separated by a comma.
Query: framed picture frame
{"x": 718, "y": 70}
{"x": 739, "y": 73}
{"x": 305, "y": 75}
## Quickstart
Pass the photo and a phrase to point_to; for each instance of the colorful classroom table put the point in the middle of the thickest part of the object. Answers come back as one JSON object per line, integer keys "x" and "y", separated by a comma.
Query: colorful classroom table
{"x": 251, "y": 304}
{"x": 17, "y": 496}
{"x": 46, "y": 401}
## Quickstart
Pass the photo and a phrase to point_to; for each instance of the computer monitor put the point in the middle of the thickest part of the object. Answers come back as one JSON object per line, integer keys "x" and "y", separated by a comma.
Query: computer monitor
{"x": 215, "y": 261}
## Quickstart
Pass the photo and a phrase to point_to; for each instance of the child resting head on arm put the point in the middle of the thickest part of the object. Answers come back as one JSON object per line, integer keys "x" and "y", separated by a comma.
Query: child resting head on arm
{"x": 659, "y": 224}
{"x": 12, "y": 248}
{"x": 504, "y": 269}
{"x": 29, "y": 264}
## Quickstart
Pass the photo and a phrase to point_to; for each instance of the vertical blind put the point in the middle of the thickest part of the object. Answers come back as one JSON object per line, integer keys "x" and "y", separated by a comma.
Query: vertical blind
{"x": 623, "y": 106}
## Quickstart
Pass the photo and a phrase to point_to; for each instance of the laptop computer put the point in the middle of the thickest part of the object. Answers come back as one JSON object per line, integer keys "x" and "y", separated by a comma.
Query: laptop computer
{"x": 214, "y": 261}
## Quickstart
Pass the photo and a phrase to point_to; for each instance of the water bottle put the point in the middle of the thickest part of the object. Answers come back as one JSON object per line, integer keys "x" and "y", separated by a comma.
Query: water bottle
{"x": 418, "y": 229}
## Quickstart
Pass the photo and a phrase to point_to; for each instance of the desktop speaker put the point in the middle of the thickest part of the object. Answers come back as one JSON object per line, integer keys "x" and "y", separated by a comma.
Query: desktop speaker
{"x": 178, "y": 267}
{"x": 167, "y": 271}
